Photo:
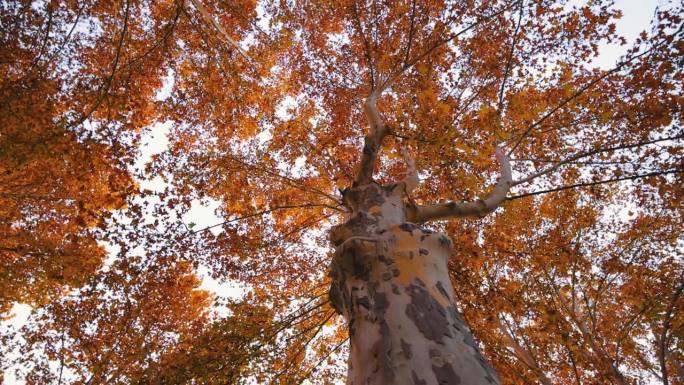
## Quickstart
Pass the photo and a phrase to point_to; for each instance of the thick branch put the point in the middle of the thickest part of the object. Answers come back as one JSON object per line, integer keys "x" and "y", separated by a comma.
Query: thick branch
{"x": 372, "y": 141}
{"x": 479, "y": 208}
{"x": 411, "y": 180}
{"x": 378, "y": 129}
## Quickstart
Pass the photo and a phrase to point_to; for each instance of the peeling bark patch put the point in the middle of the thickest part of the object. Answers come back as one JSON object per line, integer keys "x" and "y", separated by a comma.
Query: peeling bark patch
{"x": 442, "y": 290}
{"x": 363, "y": 301}
{"x": 455, "y": 314}
{"x": 444, "y": 241}
{"x": 445, "y": 375}
{"x": 368, "y": 196}
{"x": 360, "y": 223}
{"x": 380, "y": 304}
{"x": 408, "y": 227}
{"x": 416, "y": 380}
{"x": 470, "y": 341}
{"x": 427, "y": 314}
{"x": 383, "y": 346}
{"x": 390, "y": 187}
{"x": 406, "y": 348}
{"x": 336, "y": 298}
{"x": 382, "y": 349}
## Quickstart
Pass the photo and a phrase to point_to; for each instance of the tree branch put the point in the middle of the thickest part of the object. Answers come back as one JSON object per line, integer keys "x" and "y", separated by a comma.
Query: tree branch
{"x": 209, "y": 19}
{"x": 576, "y": 94}
{"x": 507, "y": 70}
{"x": 378, "y": 128}
{"x": 662, "y": 348}
{"x": 104, "y": 88}
{"x": 585, "y": 184}
{"x": 372, "y": 141}
{"x": 597, "y": 349}
{"x": 264, "y": 212}
{"x": 409, "y": 64}
{"x": 411, "y": 180}
{"x": 366, "y": 46}
{"x": 479, "y": 208}
{"x": 590, "y": 153}
{"x": 411, "y": 31}
{"x": 522, "y": 353}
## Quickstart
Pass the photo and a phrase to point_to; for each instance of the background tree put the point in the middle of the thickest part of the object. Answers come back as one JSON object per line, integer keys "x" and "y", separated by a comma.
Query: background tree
{"x": 265, "y": 104}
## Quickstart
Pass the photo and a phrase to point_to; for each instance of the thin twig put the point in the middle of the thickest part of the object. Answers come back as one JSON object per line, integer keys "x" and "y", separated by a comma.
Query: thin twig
{"x": 586, "y": 184}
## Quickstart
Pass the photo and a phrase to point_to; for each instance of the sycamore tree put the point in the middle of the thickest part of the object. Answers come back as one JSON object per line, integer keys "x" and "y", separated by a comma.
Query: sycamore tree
{"x": 412, "y": 192}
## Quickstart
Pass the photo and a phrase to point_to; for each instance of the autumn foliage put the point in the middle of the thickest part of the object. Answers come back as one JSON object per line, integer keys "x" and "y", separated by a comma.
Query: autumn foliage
{"x": 576, "y": 279}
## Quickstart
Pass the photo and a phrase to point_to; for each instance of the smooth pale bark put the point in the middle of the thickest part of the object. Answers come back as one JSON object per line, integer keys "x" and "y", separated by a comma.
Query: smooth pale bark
{"x": 479, "y": 208}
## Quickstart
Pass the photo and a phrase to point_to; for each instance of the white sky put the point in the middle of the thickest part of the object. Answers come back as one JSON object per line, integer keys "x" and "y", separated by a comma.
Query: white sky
{"x": 637, "y": 15}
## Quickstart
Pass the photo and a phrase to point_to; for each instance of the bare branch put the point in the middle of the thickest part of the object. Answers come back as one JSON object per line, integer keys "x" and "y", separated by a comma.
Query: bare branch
{"x": 590, "y": 153}
{"x": 411, "y": 32}
{"x": 437, "y": 44}
{"x": 290, "y": 180}
{"x": 104, "y": 88}
{"x": 585, "y": 184}
{"x": 366, "y": 45}
{"x": 209, "y": 19}
{"x": 576, "y": 94}
{"x": 522, "y": 353}
{"x": 598, "y": 350}
{"x": 264, "y": 212}
{"x": 507, "y": 70}
{"x": 663, "y": 340}
{"x": 318, "y": 364}
{"x": 372, "y": 141}
{"x": 479, "y": 208}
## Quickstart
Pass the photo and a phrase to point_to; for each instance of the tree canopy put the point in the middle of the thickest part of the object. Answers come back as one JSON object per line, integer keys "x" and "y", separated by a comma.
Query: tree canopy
{"x": 576, "y": 279}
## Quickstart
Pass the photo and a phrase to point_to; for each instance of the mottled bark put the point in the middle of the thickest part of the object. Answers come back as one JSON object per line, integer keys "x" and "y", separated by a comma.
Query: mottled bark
{"x": 390, "y": 281}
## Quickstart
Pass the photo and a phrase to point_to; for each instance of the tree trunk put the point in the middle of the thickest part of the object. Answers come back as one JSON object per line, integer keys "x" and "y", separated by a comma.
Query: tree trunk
{"x": 390, "y": 282}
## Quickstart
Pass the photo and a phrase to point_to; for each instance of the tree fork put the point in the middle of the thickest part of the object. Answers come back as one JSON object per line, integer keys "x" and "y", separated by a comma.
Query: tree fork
{"x": 390, "y": 281}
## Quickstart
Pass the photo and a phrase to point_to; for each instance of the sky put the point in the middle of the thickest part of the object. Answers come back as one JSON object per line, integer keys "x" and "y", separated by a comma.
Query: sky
{"x": 637, "y": 15}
